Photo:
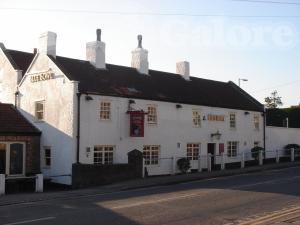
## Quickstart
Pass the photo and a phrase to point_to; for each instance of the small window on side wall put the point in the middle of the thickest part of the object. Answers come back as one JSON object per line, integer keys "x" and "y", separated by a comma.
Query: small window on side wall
{"x": 232, "y": 120}
{"x": 40, "y": 110}
{"x": 47, "y": 157}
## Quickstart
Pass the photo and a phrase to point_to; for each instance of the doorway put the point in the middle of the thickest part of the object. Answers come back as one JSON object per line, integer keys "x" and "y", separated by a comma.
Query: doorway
{"x": 211, "y": 148}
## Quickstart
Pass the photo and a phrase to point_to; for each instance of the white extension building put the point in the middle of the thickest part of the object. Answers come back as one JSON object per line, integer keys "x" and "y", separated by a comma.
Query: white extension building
{"x": 84, "y": 109}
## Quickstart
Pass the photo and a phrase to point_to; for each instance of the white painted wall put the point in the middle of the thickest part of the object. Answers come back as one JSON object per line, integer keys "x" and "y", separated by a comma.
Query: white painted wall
{"x": 278, "y": 137}
{"x": 58, "y": 128}
{"x": 9, "y": 78}
{"x": 174, "y": 126}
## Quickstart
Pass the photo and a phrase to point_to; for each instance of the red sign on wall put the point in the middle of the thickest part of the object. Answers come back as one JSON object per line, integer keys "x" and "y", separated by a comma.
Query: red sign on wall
{"x": 136, "y": 123}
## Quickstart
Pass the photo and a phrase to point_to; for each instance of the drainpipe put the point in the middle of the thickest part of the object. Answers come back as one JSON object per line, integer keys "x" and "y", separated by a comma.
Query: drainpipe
{"x": 264, "y": 130}
{"x": 78, "y": 127}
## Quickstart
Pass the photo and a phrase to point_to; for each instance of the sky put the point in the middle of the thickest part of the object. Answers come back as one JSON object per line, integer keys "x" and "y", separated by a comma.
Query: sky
{"x": 223, "y": 40}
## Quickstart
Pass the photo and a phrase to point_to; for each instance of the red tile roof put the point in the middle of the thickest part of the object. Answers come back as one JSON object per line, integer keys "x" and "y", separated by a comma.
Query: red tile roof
{"x": 12, "y": 122}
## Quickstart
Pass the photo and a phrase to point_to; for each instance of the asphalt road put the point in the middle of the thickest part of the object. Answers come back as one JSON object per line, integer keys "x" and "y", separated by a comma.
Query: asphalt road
{"x": 227, "y": 200}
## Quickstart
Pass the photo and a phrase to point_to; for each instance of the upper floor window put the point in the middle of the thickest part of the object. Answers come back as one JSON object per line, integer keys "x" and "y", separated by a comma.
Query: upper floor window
{"x": 196, "y": 118}
{"x": 256, "y": 121}
{"x": 40, "y": 110}
{"x": 192, "y": 151}
{"x": 105, "y": 110}
{"x": 152, "y": 115}
{"x": 232, "y": 120}
{"x": 232, "y": 148}
{"x": 151, "y": 154}
{"x": 103, "y": 154}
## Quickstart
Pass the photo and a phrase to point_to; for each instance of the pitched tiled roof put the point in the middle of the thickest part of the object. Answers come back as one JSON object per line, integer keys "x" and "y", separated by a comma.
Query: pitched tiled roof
{"x": 12, "y": 122}
{"x": 19, "y": 60}
{"x": 161, "y": 86}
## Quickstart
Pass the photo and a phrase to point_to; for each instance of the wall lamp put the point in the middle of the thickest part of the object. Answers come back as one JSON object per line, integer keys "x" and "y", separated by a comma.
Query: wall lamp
{"x": 88, "y": 98}
{"x": 178, "y": 106}
{"x": 131, "y": 101}
{"x": 217, "y": 135}
{"x": 246, "y": 113}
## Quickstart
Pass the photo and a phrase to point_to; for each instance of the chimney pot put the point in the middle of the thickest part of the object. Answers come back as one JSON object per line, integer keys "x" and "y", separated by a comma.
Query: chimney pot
{"x": 95, "y": 52}
{"x": 140, "y": 57}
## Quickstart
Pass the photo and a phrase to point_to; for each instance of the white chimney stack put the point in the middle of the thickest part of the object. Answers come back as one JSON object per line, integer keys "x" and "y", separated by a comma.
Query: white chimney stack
{"x": 47, "y": 43}
{"x": 140, "y": 58}
{"x": 95, "y": 52}
{"x": 183, "y": 68}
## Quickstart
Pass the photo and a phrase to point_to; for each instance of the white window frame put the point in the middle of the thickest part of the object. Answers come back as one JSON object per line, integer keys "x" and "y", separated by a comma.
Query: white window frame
{"x": 105, "y": 111}
{"x": 231, "y": 152}
{"x": 7, "y": 166}
{"x": 151, "y": 159}
{"x": 35, "y": 110}
{"x": 193, "y": 147}
{"x": 103, "y": 156}
{"x": 45, "y": 157}
{"x": 196, "y": 114}
{"x": 256, "y": 121}
{"x": 232, "y": 122}
{"x": 152, "y": 115}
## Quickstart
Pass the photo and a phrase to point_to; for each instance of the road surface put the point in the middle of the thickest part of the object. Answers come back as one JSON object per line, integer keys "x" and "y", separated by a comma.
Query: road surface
{"x": 268, "y": 197}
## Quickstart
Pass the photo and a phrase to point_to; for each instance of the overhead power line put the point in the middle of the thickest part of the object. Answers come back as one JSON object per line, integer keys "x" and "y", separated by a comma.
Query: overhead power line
{"x": 278, "y": 86}
{"x": 146, "y": 13}
{"x": 268, "y": 2}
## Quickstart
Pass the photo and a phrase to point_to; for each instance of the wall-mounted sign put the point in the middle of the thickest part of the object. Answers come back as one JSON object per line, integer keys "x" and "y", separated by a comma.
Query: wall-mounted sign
{"x": 136, "y": 123}
{"x": 212, "y": 117}
{"x": 42, "y": 76}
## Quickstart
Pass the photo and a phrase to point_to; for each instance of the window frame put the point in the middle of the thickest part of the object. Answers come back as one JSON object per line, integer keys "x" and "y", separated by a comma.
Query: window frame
{"x": 150, "y": 161}
{"x": 7, "y": 158}
{"x": 230, "y": 149}
{"x": 193, "y": 147}
{"x": 45, "y": 157}
{"x": 43, "y": 110}
{"x": 232, "y": 123}
{"x": 102, "y": 155}
{"x": 105, "y": 111}
{"x": 256, "y": 121}
{"x": 196, "y": 118}
{"x": 154, "y": 116}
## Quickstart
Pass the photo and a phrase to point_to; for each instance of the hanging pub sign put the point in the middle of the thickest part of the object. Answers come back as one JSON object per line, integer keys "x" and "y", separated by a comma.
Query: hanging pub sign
{"x": 136, "y": 123}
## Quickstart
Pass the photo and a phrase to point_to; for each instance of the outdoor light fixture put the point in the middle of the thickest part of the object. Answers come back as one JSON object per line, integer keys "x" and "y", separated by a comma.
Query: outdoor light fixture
{"x": 178, "y": 106}
{"x": 88, "y": 98}
{"x": 217, "y": 135}
{"x": 131, "y": 101}
{"x": 246, "y": 113}
{"x": 242, "y": 79}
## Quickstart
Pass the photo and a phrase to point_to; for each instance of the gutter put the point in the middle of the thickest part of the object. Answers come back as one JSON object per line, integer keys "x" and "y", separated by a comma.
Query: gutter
{"x": 264, "y": 131}
{"x": 78, "y": 127}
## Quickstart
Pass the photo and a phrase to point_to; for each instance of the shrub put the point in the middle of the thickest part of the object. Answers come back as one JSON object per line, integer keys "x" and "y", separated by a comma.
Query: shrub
{"x": 183, "y": 164}
{"x": 255, "y": 152}
{"x": 288, "y": 148}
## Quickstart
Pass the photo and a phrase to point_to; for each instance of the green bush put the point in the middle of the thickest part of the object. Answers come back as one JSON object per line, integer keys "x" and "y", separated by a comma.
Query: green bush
{"x": 288, "y": 148}
{"x": 183, "y": 164}
{"x": 255, "y": 152}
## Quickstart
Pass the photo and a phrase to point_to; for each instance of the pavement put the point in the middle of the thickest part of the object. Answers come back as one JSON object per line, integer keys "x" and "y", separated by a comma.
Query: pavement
{"x": 12, "y": 199}
{"x": 265, "y": 196}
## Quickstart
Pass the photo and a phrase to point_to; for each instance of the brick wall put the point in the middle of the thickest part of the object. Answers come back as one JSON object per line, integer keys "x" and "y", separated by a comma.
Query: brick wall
{"x": 32, "y": 161}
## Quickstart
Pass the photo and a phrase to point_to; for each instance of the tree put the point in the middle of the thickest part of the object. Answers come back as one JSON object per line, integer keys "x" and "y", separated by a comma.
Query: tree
{"x": 273, "y": 101}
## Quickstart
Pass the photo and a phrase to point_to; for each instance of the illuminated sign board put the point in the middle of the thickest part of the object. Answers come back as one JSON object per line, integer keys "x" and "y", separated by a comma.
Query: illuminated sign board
{"x": 212, "y": 117}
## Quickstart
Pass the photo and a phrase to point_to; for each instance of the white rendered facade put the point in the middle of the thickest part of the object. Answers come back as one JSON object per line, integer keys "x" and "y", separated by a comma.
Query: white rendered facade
{"x": 173, "y": 131}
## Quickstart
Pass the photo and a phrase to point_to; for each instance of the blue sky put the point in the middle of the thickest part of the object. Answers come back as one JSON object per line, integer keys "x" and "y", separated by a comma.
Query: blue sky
{"x": 242, "y": 44}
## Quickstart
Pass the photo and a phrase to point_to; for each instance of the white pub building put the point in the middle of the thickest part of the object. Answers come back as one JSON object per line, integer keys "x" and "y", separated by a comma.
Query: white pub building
{"x": 91, "y": 112}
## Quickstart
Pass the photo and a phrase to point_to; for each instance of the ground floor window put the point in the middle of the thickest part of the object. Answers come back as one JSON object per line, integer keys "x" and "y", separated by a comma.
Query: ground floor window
{"x": 103, "y": 154}
{"x": 232, "y": 148}
{"x": 192, "y": 151}
{"x": 12, "y": 158}
{"x": 151, "y": 154}
{"x": 47, "y": 157}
